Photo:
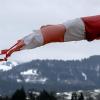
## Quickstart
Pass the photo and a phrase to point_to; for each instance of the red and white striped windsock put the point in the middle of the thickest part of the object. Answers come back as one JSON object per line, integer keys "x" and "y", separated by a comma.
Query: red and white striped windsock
{"x": 85, "y": 28}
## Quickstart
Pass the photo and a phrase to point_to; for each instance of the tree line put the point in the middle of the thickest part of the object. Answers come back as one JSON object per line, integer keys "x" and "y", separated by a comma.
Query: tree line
{"x": 20, "y": 94}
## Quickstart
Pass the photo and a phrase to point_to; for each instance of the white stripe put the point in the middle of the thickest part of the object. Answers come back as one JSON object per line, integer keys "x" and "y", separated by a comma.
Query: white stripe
{"x": 33, "y": 40}
{"x": 75, "y": 30}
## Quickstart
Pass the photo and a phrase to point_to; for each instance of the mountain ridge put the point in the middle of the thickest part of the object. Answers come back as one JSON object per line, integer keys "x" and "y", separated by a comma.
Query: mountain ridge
{"x": 53, "y": 75}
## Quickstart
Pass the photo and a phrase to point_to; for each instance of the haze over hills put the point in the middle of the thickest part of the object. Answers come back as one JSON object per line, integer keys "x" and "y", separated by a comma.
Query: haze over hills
{"x": 52, "y": 75}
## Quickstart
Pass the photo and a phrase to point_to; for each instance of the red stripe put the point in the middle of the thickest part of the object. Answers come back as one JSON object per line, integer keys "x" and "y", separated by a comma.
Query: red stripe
{"x": 53, "y": 33}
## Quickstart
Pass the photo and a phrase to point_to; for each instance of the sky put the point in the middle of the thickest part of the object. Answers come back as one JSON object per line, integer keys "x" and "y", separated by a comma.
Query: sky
{"x": 19, "y": 17}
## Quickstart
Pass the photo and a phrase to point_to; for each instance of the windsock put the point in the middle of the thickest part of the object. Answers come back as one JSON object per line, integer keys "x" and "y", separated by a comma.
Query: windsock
{"x": 84, "y": 28}
{"x": 46, "y": 34}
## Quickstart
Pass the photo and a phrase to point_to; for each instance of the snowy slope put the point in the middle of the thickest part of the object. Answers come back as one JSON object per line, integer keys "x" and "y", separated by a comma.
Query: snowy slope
{"x": 40, "y": 74}
{"x": 93, "y": 94}
{"x": 5, "y": 66}
{"x": 32, "y": 76}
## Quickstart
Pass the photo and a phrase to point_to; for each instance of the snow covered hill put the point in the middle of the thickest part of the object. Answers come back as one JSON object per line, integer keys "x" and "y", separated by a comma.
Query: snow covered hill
{"x": 5, "y": 66}
{"x": 51, "y": 75}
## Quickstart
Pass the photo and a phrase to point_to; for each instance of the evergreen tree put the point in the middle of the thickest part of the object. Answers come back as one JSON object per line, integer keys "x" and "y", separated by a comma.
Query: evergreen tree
{"x": 19, "y": 95}
{"x": 74, "y": 96}
{"x": 46, "y": 96}
{"x": 81, "y": 97}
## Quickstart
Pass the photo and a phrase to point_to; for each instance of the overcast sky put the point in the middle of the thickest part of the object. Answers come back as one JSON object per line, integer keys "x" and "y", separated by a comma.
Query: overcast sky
{"x": 19, "y": 17}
